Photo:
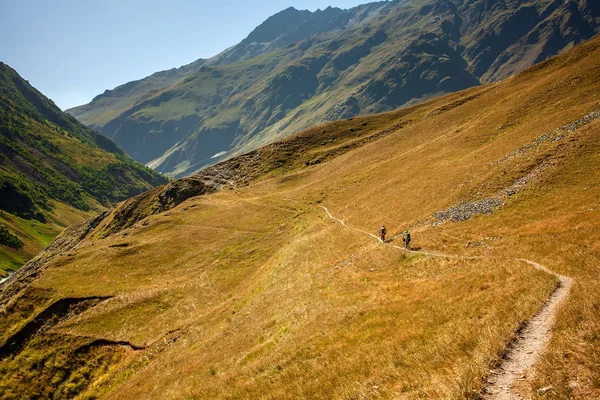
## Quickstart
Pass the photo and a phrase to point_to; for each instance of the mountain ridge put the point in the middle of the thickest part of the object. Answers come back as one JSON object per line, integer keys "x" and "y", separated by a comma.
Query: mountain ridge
{"x": 333, "y": 64}
{"x": 54, "y": 171}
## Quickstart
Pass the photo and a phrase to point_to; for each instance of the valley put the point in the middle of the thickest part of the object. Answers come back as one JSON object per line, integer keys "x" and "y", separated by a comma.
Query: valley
{"x": 54, "y": 172}
{"x": 257, "y": 277}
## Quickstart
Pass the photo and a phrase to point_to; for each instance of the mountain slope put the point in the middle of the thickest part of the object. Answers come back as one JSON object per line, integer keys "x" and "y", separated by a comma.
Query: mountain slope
{"x": 235, "y": 283}
{"x": 54, "y": 171}
{"x": 113, "y": 102}
{"x": 299, "y": 69}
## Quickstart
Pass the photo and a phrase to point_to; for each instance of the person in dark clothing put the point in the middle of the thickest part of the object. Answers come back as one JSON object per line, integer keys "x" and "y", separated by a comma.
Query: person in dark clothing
{"x": 382, "y": 233}
{"x": 406, "y": 239}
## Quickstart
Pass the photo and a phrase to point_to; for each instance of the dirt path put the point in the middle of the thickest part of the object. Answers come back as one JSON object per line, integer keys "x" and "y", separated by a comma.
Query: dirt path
{"x": 425, "y": 253}
{"x": 531, "y": 339}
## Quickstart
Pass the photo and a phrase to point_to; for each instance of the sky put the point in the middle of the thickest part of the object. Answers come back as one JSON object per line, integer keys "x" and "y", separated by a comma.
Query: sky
{"x": 73, "y": 50}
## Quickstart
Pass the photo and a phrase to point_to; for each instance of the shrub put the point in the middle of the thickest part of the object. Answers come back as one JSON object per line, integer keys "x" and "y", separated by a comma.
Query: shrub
{"x": 8, "y": 239}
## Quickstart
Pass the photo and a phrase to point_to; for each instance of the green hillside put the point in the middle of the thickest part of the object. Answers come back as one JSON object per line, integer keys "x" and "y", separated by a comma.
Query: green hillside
{"x": 54, "y": 171}
{"x": 302, "y": 68}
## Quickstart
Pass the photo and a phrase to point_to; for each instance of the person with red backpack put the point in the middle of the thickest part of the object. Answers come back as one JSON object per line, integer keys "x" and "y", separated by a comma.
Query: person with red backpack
{"x": 382, "y": 233}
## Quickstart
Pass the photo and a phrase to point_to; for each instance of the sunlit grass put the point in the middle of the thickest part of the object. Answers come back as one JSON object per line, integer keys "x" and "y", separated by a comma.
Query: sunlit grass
{"x": 273, "y": 299}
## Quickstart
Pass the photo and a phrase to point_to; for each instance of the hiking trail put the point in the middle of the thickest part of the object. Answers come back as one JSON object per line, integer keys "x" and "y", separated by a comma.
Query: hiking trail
{"x": 530, "y": 339}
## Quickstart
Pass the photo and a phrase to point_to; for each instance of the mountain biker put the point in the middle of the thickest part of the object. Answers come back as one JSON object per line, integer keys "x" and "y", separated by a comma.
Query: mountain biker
{"x": 382, "y": 233}
{"x": 406, "y": 240}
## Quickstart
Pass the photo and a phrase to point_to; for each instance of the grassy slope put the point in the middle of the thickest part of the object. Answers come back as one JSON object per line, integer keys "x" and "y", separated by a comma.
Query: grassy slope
{"x": 54, "y": 171}
{"x": 273, "y": 299}
{"x": 36, "y": 235}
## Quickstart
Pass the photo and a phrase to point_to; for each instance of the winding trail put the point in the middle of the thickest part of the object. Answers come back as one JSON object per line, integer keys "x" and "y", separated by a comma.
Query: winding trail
{"x": 530, "y": 339}
{"x": 425, "y": 253}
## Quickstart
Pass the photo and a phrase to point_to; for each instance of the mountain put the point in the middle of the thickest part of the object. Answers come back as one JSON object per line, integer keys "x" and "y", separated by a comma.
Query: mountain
{"x": 302, "y": 68}
{"x": 54, "y": 171}
{"x": 239, "y": 281}
{"x": 113, "y": 102}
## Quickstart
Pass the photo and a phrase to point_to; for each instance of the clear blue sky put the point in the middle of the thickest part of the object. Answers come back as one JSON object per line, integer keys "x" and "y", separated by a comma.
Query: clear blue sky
{"x": 72, "y": 50}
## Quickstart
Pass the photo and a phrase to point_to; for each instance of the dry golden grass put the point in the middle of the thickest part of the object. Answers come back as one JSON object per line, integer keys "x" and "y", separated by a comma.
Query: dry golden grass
{"x": 281, "y": 319}
{"x": 275, "y": 300}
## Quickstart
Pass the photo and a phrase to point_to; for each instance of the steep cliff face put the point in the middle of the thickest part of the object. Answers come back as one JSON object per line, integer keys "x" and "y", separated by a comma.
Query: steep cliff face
{"x": 301, "y": 68}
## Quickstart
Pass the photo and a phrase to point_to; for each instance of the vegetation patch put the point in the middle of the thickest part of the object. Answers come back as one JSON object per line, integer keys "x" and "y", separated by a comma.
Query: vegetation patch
{"x": 8, "y": 239}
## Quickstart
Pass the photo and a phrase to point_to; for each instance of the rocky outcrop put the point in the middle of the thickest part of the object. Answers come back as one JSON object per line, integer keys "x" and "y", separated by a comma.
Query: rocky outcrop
{"x": 467, "y": 210}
